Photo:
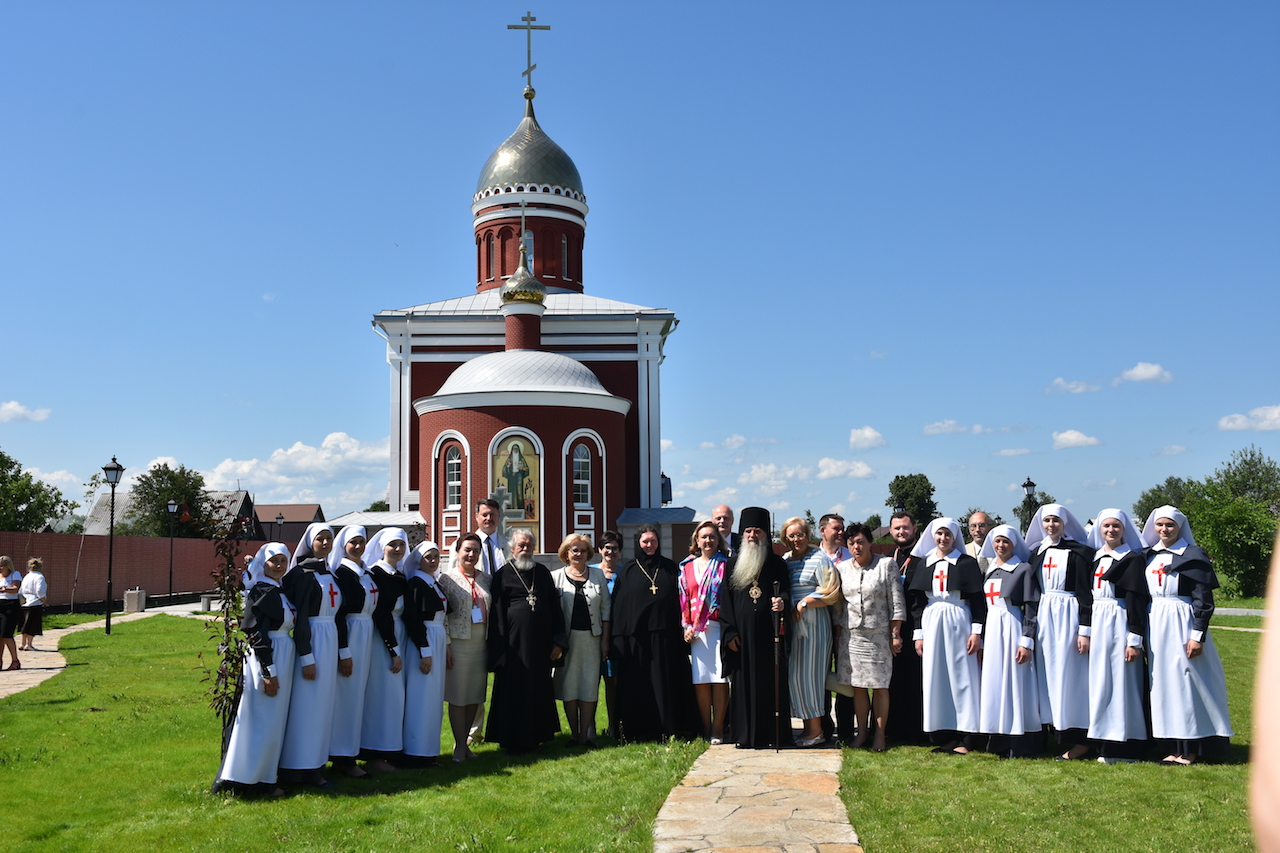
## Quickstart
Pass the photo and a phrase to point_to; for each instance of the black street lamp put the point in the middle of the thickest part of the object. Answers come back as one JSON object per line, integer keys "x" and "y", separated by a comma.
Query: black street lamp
{"x": 173, "y": 510}
{"x": 112, "y": 472}
{"x": 1028, "y": 502}
{"x": 279, "y": 526}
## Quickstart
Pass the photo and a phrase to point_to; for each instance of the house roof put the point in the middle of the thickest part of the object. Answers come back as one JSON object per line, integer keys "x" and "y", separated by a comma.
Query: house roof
{"x": 306, "y": 513}
{"x": 558, "y": 302}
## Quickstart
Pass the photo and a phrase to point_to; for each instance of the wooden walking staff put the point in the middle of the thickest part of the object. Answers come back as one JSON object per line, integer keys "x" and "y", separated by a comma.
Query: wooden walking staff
{"x": 777, "y": 668}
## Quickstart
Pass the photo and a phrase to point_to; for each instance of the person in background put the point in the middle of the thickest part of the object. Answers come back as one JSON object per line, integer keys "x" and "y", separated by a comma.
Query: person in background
{"x": 610, "y": 561}
{"x": 10, "y": 611}
{"x": 832, "y": 534}
{"x": 979, "y": 526}
{"x": 585, "y": 604}
{"x": 905, "y": 688}
{"x": 34, "y": 592}
{"x": 814, "y": 587}
{"x": 723, "y": 518}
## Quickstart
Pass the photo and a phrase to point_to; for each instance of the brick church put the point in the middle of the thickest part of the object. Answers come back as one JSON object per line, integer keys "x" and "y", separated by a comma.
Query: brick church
{"x": 529, "y": 387}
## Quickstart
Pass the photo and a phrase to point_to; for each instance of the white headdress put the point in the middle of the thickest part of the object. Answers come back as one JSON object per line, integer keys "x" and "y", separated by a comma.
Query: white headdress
{"x": 339, "y": 552}
{"x": 1132, "y": 537}
{"x": 926, "y": 545}
{"x": 1008, "y": 531}
{"x": 375, "y": 551}
{"x": 304, "y": 547}
{"x": 258, "y": 565}
{"x": 1071, "y": 528}
{"x": 1149, "y": 536}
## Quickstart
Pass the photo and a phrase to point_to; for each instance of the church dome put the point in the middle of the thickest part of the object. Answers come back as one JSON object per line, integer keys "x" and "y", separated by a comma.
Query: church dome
{"x": 530, "y": 161}
{"x": 522, "y": 370}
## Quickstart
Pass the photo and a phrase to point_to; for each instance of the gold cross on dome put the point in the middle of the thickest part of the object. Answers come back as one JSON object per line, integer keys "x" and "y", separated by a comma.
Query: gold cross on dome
{"x": 528, "y": 26}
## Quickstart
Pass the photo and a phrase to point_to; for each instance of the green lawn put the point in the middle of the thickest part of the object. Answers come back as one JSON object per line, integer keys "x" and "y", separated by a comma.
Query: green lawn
{"x": 1258, "y": 603}
{"x": 118, "y": 752}
{"x": 910, "y": 801}
{"x": 1236, "y": 621}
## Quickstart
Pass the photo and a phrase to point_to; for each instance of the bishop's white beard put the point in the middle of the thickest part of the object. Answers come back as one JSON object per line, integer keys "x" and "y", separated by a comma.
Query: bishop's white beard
{"x": 524, "y": 562}
{"x": 746, "y": 570}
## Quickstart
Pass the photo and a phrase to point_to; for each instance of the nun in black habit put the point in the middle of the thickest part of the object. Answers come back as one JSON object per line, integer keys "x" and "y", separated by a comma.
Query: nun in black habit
{"x": 754, "y": 604}
{"x": 655, "y": 679}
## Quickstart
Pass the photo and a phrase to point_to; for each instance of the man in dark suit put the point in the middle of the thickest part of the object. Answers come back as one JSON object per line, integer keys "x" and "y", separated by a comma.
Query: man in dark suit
{"x": 906, "y": 690}
{"x": 722, "y": 517}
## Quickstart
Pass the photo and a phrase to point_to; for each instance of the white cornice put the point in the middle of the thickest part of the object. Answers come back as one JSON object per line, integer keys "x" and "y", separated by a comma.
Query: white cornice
{"x": 491, "y": 399}
{"x": 533, "y": 200}
{"x": 531, "y": 213}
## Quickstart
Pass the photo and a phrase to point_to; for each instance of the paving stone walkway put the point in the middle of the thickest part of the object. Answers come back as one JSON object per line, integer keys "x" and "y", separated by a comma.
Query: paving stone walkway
{"x": 738, "y": 800}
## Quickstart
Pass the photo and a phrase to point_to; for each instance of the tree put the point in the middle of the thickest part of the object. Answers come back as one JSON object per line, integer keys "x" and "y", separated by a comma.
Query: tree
{"x": 26, "y": 504}
{"x": 1026, "y": 510}
{"x": 151, "y": 494}
{"x": 873, "y": 521}
{"x": 378, "y": 506}
{"x": 1172, "y": 491}
{"x": 914, "y": 493}
{"x": 1253, "y": 476}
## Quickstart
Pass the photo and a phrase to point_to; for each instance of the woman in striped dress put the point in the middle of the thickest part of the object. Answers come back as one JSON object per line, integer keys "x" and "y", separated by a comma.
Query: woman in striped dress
{"x": 814, "y": 586}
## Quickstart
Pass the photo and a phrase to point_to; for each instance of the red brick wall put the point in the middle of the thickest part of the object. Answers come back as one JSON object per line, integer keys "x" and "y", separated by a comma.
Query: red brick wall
{"x": 140, "y": 561}
{"x": 546, "y": 251}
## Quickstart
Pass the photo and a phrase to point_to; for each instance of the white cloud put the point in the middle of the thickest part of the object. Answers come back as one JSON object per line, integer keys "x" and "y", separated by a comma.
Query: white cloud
{"x": 1170, "y": 450}
{"x": 780, "y": 505}
{"x": 13, "y": 412}
{"x": 701, "y": 485}
{"x": 723, "y": 496}
{"x": 878, "y": 353}
{"x": 860, "y": 439}
{"x": 1012, "y": 451}
{"x": 61, "y": 479}
{"x": 1144, "y": 371}
{"x": 707, "y": 445}
{"x": 1100, "y": 484}
{"x": 1263, "y": 418}
{"x": 268, "y": 297}
{"x": 1073, "y": 438}
{"x": 686, "y": 470}
{"x": 343, "y": 472}
{"x": 734, "y": 441}
{"x": 839, "y": 509}
{"x": 829, "y": 468}
{"x": 764, "y": 441}
{"x": 1062, "y": 386}
{"x": 771, "y": 479}
{"x": 667, "y": 444}
{"x": 950, "y": 426}
{"x": 853, "y": 496}
{"x": 1012, "y": 487}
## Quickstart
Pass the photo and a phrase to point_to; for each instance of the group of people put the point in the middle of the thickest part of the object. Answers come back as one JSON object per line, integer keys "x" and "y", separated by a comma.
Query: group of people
{"x": 360, "y": 643}
{"x": 22, "y": 599}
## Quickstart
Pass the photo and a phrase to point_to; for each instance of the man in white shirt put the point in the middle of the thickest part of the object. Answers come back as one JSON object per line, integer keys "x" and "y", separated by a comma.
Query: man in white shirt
{"x": 722, "y": 517}
{"x": 831, "y": 529}
{"x": 979, "y": 526}
{"x": 493, "y": 551}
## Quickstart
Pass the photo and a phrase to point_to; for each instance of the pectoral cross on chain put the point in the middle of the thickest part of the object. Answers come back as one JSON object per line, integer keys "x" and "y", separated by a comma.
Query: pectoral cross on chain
{"x": 532, "y": 599}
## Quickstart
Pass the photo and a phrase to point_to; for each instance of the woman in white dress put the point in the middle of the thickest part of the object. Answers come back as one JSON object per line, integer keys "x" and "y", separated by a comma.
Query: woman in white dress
{"x": 257, "y": 736}
{"x": 1188, "y": 686}
{"x": 1059, "y": 554}
{"x": 585, "y": 603}
{"x": 315, "y": 592}
{"x": 949, "y": 609}
{"x": 467, "y": 588}
{"x": 1117, "y": 722}
{"x": 815, "y": 586}
{"x": 382, "y": 723}
{"x": 701, "y": 574}
{"x": 359, "y": 596}
{"x": 1010, "y": 698}
{"x": 868, "y": 621}
{"x": 425, "y": 606}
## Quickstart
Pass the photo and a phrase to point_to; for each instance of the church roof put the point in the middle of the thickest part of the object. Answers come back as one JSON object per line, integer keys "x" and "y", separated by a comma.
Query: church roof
{"x": 559, "y": 303}
{"x": 522, "y": 370}
{"x": 529, "y": 156}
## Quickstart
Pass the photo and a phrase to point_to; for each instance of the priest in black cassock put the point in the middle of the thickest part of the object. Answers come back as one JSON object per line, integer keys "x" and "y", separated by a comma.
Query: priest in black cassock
{"x": 526, "y": 633}
{"x": 753, "y": 607}
{"x": 650, "y": 656}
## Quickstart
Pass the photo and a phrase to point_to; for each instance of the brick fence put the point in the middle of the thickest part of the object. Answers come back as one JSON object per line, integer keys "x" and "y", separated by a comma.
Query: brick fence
{"x": 76, "y": 566}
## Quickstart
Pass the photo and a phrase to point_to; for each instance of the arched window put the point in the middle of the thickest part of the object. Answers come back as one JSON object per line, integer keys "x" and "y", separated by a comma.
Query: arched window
{"x": 581, "y": 476}
{"x": 488, "y": 241}
{"x": 453, "y": 478}
{"x": 528, "y": 245}
{"x": 564, "y": 256}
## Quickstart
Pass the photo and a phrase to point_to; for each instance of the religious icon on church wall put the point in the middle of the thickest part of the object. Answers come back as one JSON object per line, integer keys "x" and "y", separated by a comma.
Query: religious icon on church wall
{"x": 516, "y": 469}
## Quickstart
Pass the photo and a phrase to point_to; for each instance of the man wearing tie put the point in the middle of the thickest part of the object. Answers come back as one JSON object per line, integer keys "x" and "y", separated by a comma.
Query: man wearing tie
{"x": 722, "y": 517}
{"x": 979, "y": 525}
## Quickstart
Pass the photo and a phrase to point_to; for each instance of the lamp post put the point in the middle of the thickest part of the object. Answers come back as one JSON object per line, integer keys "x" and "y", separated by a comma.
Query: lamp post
{"x": 173, "y": 510}
{"x": 1028, "y": 502}
{"x": 112, "y": 472}
{"x": 279, "y": 526}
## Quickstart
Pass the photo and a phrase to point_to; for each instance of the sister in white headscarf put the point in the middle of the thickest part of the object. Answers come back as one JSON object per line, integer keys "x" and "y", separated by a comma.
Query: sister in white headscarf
{"x": 425, "y": 606}
{"x": 315, "y": 592}
{"x": 253, "y": 752}
{"x": 949, "y": 611}
{"x": 1117, "y": 722}
{"x": 359, "y": 597}
{"x": 382, "y": 728}
{"x": 1010, "y": 690}
{"x": 1188, "y": 686}
{"x": 1056, "y": 542}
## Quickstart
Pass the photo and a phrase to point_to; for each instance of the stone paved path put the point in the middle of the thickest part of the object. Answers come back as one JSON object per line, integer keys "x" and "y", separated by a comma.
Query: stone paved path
{"x": 739, "y": 800}
{"x": 46, "y": 662}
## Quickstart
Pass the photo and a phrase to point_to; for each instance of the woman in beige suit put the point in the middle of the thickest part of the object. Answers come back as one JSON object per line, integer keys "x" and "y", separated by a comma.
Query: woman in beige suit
{"x": 584, "y": 599}
{"x": 868, "y": 632}
{"x": 467, "y": 679}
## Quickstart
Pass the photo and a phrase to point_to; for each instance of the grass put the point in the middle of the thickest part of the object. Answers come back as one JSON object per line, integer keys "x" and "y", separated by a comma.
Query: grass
{"x": 118, "y": 752}
{"x": 1236, "y": 621}
{"x": 910, "y": 800}
{"x": 53, "y": 621}
{"x": 1257, "y": 603}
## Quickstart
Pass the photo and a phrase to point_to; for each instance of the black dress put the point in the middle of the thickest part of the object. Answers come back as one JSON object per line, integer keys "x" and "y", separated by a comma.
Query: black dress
{"x": 758, "y": 669}
{"x": 906, "y": 689}
{"x": 522, "y": 712}
{"x": 655, "y": 680}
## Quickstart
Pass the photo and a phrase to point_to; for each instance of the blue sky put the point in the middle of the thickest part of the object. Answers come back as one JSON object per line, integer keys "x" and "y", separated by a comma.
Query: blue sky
{"x": 980, "y": 241}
